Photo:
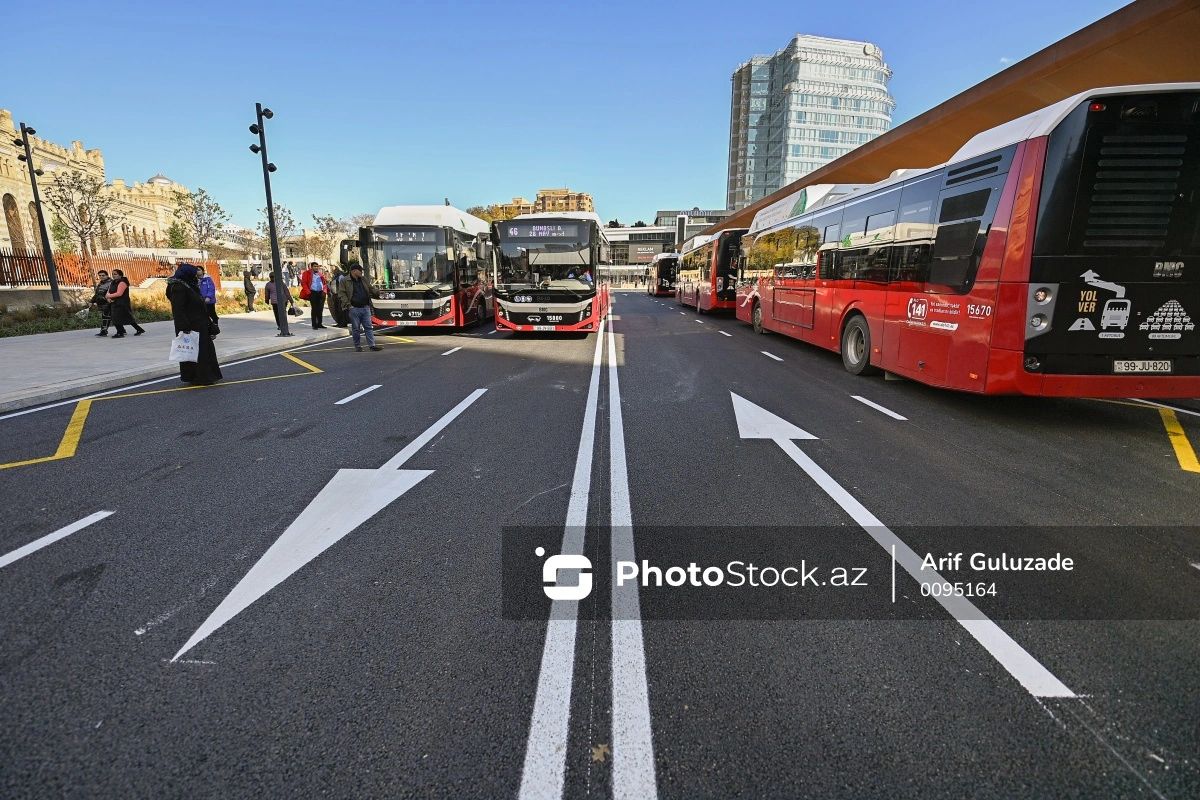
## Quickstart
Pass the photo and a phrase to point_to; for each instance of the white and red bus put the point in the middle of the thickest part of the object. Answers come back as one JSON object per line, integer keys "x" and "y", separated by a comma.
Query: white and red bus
{"x": 661, "y": 275}
{"x": 708, "y": 271}
{"x": 426, "y": 266}
{"x": 546, "y": 272}
{"x": 1057, "y": 254}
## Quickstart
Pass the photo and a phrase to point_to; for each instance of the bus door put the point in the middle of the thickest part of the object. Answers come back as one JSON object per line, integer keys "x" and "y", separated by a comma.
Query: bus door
{"x": 794, "y": 295}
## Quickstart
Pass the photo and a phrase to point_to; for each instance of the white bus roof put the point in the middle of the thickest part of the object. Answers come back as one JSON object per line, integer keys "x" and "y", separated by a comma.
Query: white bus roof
{"x": 1045, "y": 120}
{"x": 661, "y": 256}
{"x": 431, "y": 216}
{"x": 1039, "y": 123}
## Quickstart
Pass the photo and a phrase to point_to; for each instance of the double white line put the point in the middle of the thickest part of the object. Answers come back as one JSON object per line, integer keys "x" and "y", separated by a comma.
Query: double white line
{"x": 632, "y": 746}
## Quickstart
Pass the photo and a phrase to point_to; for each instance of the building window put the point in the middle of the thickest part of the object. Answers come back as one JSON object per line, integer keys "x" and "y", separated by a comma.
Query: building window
{"x": 16, "y": 233}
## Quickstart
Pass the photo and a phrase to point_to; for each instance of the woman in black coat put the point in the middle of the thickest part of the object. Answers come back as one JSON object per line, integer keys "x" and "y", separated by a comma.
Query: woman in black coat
{"x": 122, "y": 308}
{"x": 190, "y": 314}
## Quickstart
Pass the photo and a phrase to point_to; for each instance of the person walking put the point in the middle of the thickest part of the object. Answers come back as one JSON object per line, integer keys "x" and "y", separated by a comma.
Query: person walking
{"x": 335, "y": 301}
{"x": 356, "y": 295}
{"x": 101, "y": 302}
{"x": 312, "y": 289}
{"x": 271, "y": 296}
{"x": 208, "y": 290}
{"x": 122, "y": 308}
{"x": 190, "y": 315}
{"x": 251, "y": 291}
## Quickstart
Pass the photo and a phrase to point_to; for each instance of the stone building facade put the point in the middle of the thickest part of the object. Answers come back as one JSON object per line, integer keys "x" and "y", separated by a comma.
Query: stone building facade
{"x": 549, "y": 200}
{"x": 141, "y": 216}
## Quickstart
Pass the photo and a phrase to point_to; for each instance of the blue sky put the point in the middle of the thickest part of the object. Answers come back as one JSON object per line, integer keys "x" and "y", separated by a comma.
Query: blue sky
{"x": 393, "y": 103}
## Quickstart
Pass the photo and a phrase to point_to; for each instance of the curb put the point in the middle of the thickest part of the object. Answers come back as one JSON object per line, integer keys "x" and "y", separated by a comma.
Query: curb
{"x": 114, "y": 380}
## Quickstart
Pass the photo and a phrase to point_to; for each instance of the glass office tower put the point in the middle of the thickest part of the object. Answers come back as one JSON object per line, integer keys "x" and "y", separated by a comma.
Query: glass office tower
{"x": 793, "y": 112}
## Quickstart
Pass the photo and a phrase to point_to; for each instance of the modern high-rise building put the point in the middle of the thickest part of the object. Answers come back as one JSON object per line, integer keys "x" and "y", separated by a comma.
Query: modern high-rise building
{"x": 791, "y": 113}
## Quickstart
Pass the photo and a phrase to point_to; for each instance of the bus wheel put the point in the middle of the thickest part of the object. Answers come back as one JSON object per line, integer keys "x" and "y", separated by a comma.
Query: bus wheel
{"x": 856, "y": 347}
{"x": 756, "y": 319}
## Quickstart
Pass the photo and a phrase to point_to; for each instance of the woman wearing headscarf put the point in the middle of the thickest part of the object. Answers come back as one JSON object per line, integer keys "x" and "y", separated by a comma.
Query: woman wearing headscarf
{"x": 189, "y": 313}
{"x": 122, "y": 308}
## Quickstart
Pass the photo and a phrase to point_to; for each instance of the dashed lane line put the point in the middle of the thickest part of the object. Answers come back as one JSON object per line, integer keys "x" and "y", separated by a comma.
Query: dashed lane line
{"x": 51, "y": 538}
{"x": 770, "y": 355}
{"x": 723, "y": 333}
{"x": 879, "y": 408}
{"x": 452, "y": 350}
{"x": 357, "y": 395}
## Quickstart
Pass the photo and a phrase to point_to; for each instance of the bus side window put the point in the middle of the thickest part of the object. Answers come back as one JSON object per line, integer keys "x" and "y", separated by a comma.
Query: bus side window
{"x": 911, "y": 263}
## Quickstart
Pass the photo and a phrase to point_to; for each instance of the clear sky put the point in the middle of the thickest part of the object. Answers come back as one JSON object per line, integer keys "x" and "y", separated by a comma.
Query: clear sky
{"x": 381, "y": 103}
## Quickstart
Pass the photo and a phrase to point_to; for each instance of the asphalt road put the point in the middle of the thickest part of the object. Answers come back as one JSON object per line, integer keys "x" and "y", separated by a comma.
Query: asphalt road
{"x": 376, "y": 660}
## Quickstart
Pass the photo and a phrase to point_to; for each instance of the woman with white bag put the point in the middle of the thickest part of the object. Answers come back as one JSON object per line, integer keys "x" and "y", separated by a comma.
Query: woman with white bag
{"x": 191, "y": 316}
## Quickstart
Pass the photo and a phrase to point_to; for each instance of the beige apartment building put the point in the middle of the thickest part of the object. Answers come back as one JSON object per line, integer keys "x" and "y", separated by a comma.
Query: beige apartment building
{"x": 140, "y": 218}
{"x": 550, "y": 200}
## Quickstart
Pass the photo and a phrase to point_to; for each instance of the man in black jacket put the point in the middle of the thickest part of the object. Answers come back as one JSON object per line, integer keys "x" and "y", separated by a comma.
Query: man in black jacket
{"x": 355, "y": 294}
{"x": 101, "y": 302}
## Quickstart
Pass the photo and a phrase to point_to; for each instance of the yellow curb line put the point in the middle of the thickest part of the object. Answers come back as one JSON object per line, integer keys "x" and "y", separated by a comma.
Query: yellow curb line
{"x": 70, "y": 440}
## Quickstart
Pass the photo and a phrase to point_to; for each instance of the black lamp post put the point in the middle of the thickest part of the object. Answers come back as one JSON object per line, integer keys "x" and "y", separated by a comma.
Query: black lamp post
{"x": 260, "y": 130}
{"x": 34, "y": 174}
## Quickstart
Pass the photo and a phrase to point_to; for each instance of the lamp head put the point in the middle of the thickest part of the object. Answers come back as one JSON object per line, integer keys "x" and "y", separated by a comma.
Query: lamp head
{"x": 255, "y": 148}
{"x": 30, "y": 131}
{"x": 254, "y": 129}
{"x": 19, "y": 142}
{"x": 270, "y": 167}
{"x": 267, "y": 113}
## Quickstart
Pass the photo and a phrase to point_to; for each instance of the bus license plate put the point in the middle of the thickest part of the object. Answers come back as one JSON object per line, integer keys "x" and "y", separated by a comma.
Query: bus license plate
{"x": 543, "y": 327}
{"x": 402, "y": 323}
{"x": 1141, "y": 365}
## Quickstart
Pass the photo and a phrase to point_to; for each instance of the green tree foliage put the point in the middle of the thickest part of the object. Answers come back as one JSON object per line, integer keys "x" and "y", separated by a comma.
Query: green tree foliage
{"x": 200, "y": 216}
{"x": 492, "y": 213}
{"x": 61, "y": 234}
{"x": 177, "y": 236}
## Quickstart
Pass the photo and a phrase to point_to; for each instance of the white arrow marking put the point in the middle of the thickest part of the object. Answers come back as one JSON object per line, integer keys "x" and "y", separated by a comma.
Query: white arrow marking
{"x": 1093, "y": 279}
{"x": 51, "y": 538}
{"x": 326, "y": 520}
{"x": 1036, "y": 679}
{"x": 755, "y": 422}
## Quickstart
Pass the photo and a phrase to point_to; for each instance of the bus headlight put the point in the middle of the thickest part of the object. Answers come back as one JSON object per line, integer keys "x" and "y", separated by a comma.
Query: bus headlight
{"x": 1042, "y": 295}
{"x": 1038, "y": 322}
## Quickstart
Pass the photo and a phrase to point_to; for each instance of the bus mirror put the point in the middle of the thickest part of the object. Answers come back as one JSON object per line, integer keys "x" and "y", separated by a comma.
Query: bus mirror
{"x": 481, "y": 249}
{"x": 346, "y": 249}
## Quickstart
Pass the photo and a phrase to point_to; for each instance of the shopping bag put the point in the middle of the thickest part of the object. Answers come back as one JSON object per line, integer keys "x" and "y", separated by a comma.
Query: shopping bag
{"x": 185, "y": 347}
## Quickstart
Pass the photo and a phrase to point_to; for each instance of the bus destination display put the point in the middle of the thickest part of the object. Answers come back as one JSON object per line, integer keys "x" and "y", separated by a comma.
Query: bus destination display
{"x": 543, "y": 231}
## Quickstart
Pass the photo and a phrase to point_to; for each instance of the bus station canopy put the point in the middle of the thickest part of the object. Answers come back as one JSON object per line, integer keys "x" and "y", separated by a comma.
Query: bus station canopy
{"x": 1148, "y": 41}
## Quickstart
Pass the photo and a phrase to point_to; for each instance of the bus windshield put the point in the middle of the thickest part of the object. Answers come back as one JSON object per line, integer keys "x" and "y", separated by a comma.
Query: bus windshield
{"x": 402, "y": 258}
{"x": 667, "y": 267}
{"x": 550, "y": 253}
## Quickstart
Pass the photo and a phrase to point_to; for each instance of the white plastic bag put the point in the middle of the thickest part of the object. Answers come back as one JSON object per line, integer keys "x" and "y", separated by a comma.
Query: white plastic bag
{"x": 185, "y": 347}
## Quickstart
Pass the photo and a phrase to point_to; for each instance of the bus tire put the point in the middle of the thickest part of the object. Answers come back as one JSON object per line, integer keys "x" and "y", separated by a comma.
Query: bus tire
{"x": 856, "y": 346}
{"x": 756, "y": 319}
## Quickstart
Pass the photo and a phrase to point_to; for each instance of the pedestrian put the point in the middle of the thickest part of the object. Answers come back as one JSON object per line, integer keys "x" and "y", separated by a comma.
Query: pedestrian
{"x": 335, "y": 301}
{"x": 251, "y": 291}
{"x": 190, "y": 315}
{"x": 122, "y": 308}
{"x": 271, "y": 296}
{"x": 101, "y": 302}
{"x": 356, "y": 295}
{"x": 208, "y": 290}
{"x": 312, "y": 289}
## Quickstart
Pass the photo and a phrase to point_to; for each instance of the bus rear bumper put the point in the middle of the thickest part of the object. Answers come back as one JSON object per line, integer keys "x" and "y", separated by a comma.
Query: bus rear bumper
{"x": 1007, "y": 375}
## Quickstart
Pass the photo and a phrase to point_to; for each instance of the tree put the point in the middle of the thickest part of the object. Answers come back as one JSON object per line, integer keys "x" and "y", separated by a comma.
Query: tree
{"x": 613, "y": 223}
{"x": 177, "y": 236}
{"x": 492, "y": 213}
{"x": 351, "y": 224}
{"x": 83, "y": 205}
{"x": 200, "y": 216}
{"x": 639, "y": 224}
{"x": 61, "y": 234}
{"x": 285, "y": 224}
{"x": 326, "y": 234}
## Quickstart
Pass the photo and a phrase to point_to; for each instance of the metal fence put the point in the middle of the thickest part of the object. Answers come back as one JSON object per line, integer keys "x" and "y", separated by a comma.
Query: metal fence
{"x": 24, "y": 267}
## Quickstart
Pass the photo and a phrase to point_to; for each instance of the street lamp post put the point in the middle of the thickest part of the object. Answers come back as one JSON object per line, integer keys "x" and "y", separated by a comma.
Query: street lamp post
{"x": 47, "y": 253}
{"x": 260, "y": 130}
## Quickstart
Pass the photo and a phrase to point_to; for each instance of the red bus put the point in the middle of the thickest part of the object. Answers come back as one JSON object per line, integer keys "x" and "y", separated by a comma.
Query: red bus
{"x": 708, "y": 272}
{"x": 545, "y": 268}
{"x": 1049, "y": 257}
{"x": 661, "y": 275}
{"x": 425, "y": 267}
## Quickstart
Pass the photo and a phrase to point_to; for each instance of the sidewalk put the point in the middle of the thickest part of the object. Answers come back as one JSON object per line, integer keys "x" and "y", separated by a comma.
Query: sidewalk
{"x": 53, "y": 366}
